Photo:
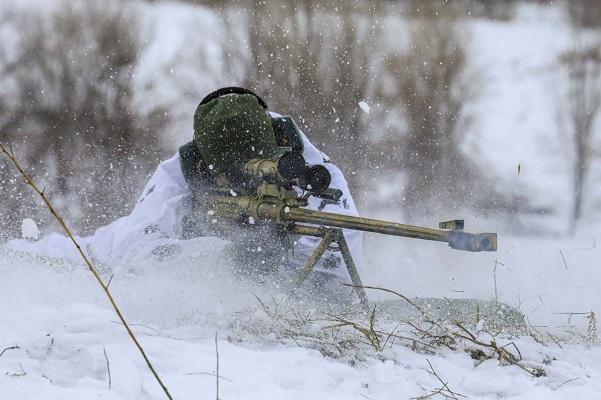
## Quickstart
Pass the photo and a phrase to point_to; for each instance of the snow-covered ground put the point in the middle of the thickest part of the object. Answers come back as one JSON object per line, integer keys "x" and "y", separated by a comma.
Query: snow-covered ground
{"x": 62, "y": 325}
{"x": 60, "y": 321}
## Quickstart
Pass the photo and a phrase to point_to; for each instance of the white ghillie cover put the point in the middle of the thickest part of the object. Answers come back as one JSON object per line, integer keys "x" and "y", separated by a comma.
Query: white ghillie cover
{"x": 155, "y": 222}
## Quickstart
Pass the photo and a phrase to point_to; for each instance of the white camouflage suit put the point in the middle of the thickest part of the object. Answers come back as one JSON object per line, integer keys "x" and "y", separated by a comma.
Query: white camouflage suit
{"x": 156, "y": 222}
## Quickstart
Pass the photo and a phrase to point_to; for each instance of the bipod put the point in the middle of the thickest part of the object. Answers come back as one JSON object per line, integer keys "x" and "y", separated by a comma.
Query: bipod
{"x": 329, "y": 236}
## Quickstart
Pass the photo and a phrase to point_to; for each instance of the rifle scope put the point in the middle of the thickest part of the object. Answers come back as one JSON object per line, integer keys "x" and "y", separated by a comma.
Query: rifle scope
{"x": 289, "y": 169}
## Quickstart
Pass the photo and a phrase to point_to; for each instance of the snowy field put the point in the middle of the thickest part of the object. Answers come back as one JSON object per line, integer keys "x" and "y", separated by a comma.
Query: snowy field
{"x": 62, "y": 325}
{"x": 61, "y": 338}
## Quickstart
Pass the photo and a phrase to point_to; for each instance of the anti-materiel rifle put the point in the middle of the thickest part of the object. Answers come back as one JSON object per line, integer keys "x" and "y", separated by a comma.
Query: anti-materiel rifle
{"x": 276, "y": 190}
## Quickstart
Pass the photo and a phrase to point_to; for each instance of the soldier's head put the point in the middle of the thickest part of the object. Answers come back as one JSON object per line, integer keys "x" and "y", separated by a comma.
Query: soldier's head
{"x": 232, "y": 126}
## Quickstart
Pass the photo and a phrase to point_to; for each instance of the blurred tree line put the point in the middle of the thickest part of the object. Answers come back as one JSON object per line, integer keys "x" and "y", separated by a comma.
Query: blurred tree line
{"x": 70, "y": 113}
{"x": 71, "y": 107}
{"x": 579, "y": 105}
{"x": 319, "y": 60}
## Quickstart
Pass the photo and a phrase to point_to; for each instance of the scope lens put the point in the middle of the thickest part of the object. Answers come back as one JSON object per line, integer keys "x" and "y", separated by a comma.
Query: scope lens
{"x": 319, "y": 178}
{"x": 291, "y": 166}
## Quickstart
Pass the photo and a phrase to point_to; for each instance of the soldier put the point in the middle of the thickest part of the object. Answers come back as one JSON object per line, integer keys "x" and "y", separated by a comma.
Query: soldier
{"x": 231, "y": 125}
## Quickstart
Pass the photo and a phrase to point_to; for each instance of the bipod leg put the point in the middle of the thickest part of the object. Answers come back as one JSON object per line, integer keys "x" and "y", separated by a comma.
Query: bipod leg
{"x": 351, "y": 267}
{"x": 321, "y": 248}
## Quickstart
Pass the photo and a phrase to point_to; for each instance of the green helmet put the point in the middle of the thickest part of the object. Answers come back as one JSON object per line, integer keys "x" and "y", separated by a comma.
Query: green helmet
{"x": 232, "y": 129}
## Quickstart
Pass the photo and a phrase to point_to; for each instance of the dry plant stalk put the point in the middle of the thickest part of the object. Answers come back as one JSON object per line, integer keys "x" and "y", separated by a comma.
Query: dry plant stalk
{"x": 592, "y": 331}
{"x": 369, "y": 332}
{"x": 497, "y": 263}
{"x": 217, "y": 368}
{"x": 108, "y": 367}
{"x": 10, "y": 155}
{"x": 433, "y": 338}
{"x": 443, "y": 390}
{"x": 393, "y": 292}
{"x": 501, "y": 352}
{"x": 7, "y": 349}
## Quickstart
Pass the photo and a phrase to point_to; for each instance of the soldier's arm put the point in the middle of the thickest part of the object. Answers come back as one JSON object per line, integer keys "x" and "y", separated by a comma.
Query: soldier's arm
{"x": 155, "y": 219}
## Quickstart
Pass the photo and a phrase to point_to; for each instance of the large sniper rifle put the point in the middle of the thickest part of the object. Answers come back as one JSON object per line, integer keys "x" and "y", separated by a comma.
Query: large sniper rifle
{"x": 276, "y": 190}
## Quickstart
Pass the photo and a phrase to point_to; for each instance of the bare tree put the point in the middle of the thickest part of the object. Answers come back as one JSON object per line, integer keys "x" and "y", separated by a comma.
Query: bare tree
{"x": 492, "y": 9}
{"x": 495, "y": 9}
{"x": 313, "y": 60}
{"x": 580, "y": 108}
{"x": 584, "y": 13}
{"x": 430, "y": 89}
{"x": 73, "y": 111}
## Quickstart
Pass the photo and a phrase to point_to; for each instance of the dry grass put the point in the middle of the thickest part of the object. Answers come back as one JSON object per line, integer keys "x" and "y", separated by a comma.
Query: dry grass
{"x": 8, "y": 153}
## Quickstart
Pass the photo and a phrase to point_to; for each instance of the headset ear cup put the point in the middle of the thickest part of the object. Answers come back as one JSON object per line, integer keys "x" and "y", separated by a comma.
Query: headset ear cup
{"x": 232, "y": 90}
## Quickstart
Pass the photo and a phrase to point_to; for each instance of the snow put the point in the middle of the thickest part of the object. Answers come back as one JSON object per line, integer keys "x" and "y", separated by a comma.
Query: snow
{"x": 516, "y": 111}
{"x": 365, "y": 107}
{"x": 29, "y": 229}
{"x": 530, "y": 274}
{"x": 56, "y": 315}
{"x": 69, "y": 325}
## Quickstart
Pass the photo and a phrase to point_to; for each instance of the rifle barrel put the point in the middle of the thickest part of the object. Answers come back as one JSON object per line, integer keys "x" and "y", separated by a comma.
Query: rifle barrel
{"x": 457, "y": 239}
{"x": 364, "y": 224}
